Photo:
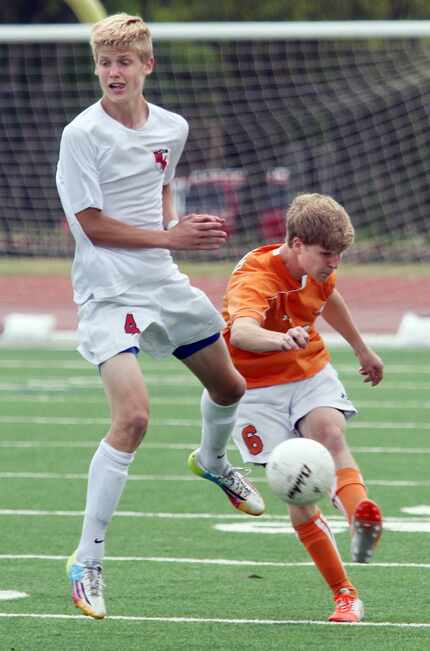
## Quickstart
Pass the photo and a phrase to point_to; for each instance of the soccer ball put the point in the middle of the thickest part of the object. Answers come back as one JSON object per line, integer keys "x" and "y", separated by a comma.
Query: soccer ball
{"x": 300, "y": 471}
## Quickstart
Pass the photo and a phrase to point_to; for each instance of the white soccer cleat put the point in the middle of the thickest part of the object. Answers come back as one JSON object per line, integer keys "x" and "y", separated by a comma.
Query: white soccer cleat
{"x": 87, "y": 587}
{"x": 239, "y": 490}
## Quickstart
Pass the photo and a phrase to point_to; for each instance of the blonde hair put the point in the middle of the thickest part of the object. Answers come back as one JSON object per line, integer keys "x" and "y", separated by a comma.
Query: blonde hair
{"x": 122, "y": 31}
{"x": 319, "y": 219}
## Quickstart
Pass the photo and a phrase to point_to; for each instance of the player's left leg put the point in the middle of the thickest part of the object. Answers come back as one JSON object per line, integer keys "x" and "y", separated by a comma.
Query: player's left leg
{"x": 224, "y": 387}
{"x": 314, "y": 533}
{"x": 327, "y": 426}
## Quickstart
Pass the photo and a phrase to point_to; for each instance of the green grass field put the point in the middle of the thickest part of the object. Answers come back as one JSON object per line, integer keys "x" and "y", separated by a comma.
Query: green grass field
{"x": 184, "y": 571}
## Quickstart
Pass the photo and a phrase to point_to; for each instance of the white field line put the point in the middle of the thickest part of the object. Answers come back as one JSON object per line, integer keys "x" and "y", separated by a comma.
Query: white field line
{"x": 94, "y": 382}
{"x": 81, "y": 365}
{"x": 214, "y": 620}
{"x": 85, "y": 366}
{"x": 129, "y": 514}
{"x": 77, "y": 364}
{"x": 207, "y": 561}
{"x": 181, "y": 422}
{"x": 95, "y": 443}
{"x": 172, "y": 365}
{"x": 162, "y": 515}
{"x": 22, "y": 445}
{"x": 101, "y": 400}
{"x": 152, "y": 515}
{"x": 187, "y": 382}
{"x": 43, "y": 476}
{"x": 389, "y": 369}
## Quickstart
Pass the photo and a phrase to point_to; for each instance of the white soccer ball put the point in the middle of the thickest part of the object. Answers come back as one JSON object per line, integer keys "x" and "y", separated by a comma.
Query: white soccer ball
{"x": 300, "y": 471}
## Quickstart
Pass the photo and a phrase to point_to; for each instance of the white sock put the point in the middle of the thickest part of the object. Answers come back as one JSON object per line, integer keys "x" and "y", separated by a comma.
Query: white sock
{"x": 106, "y": 480}
{"x": 217, "y": 426}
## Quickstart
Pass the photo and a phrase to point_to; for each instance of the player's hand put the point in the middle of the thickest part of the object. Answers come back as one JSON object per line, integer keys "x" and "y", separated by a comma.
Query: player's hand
{"x": 372, "y": 367}
{"x": 295, "y": 338}
{"x": 197, "y": 232}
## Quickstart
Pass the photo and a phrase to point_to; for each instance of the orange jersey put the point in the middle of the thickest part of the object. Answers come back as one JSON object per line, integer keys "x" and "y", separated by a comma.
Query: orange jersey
{"x": 262, "y": 288}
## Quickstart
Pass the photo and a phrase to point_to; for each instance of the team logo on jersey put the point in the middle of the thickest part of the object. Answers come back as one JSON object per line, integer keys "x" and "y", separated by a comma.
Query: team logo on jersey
{"x": 130, "y": 325}
{"x": 160, "y": 156}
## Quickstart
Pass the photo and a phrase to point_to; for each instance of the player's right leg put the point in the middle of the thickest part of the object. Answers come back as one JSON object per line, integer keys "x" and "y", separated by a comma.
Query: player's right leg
{"x": 314, "y": 533}
{"x": 224, "y": 387}
{"x": 128, "y": 400}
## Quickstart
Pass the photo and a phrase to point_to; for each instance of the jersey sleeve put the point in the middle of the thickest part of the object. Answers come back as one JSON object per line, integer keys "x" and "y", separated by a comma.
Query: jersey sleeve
{"x": 249, "y": 295}
{"x": 176, "y": 151}
{"x": 77, "y": 173}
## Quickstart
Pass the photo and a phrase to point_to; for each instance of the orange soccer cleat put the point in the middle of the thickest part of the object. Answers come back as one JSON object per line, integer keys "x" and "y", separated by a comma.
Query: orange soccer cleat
{"x": 366, "y": 529}
{"x": 349, "y": 608}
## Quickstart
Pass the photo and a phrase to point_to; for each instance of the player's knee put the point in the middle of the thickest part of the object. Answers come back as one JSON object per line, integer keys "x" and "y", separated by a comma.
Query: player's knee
{"x": 139, "y": 422}
{"x": 229, "y": 392}
{"x": 331, "y": 436}
{"x": 237, "y": 391}
{"x": 133, "y": 424}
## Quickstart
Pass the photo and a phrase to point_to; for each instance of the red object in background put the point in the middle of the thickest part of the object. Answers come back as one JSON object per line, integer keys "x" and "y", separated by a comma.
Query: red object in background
{"x": 215, "y": 192}
{"x": 273, "y": 224}
{"x": 218, "y": 192}
{"x": 272, "y": 218}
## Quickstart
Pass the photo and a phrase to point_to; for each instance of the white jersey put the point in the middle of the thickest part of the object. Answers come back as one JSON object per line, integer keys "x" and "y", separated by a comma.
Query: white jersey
{"x": 104, "y": 164}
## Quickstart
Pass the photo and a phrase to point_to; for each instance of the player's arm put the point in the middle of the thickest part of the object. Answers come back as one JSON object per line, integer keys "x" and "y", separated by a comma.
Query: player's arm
{"x": 337, "y": 314}
{"x": 248, "y": 334}
{"x": 170, "y": 218}
{"x": 78, "y": 176}
{"x": 204, "y": 232}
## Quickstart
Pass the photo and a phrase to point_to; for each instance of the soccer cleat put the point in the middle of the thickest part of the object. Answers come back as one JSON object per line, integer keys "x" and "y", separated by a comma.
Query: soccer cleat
{"x": 87, "y": 587}
{"x": 366, "y": 530}
{"x": 239, "y": 490}
{"x": 349, "y": 608}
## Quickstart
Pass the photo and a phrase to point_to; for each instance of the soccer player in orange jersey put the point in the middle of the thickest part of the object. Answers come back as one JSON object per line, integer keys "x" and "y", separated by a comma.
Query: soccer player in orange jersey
{"x": 272, "y": 301}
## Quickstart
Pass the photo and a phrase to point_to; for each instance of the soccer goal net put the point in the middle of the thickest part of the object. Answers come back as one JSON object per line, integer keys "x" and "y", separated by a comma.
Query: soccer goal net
{"x": 274, "y": 110}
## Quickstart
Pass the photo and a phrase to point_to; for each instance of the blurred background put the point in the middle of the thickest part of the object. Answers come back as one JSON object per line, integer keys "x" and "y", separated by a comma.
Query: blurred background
{"x": 281, "y": 98}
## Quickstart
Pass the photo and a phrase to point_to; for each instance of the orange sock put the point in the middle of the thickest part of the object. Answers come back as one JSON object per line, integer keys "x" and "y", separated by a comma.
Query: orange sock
{"x": 350, "y": 491}
{"x": 316, "y": 536}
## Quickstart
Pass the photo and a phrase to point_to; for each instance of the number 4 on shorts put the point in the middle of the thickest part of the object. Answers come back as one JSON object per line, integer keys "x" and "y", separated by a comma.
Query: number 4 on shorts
{"x": 130, "y": 325}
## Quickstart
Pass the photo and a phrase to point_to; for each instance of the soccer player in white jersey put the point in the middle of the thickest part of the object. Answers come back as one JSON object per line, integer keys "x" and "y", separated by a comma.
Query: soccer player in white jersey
{"x": 117, "y": 161}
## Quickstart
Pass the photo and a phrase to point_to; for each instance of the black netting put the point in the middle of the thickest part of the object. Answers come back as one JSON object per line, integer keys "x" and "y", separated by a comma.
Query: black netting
{"x": 268, "y": 120}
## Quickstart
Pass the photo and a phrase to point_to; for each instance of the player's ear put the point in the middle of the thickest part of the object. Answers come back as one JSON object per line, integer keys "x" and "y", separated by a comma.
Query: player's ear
{"x": 297, "y": 244}
{"x": 149, "y": 65}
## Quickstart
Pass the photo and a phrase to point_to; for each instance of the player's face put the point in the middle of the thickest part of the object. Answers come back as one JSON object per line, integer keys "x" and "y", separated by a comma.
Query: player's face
{"x": 122, "y": 74}
{"x": 318, "y": 262}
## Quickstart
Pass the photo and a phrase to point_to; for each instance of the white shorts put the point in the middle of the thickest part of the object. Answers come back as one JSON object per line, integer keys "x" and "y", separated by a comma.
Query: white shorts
{"x": 157, "y": 317}
{"x": 269, "y": 415}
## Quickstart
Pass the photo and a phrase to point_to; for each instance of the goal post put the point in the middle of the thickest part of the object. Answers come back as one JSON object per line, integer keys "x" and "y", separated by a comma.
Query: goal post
{"x": 275, "y": 109}
{"x": 87, "y": 11}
